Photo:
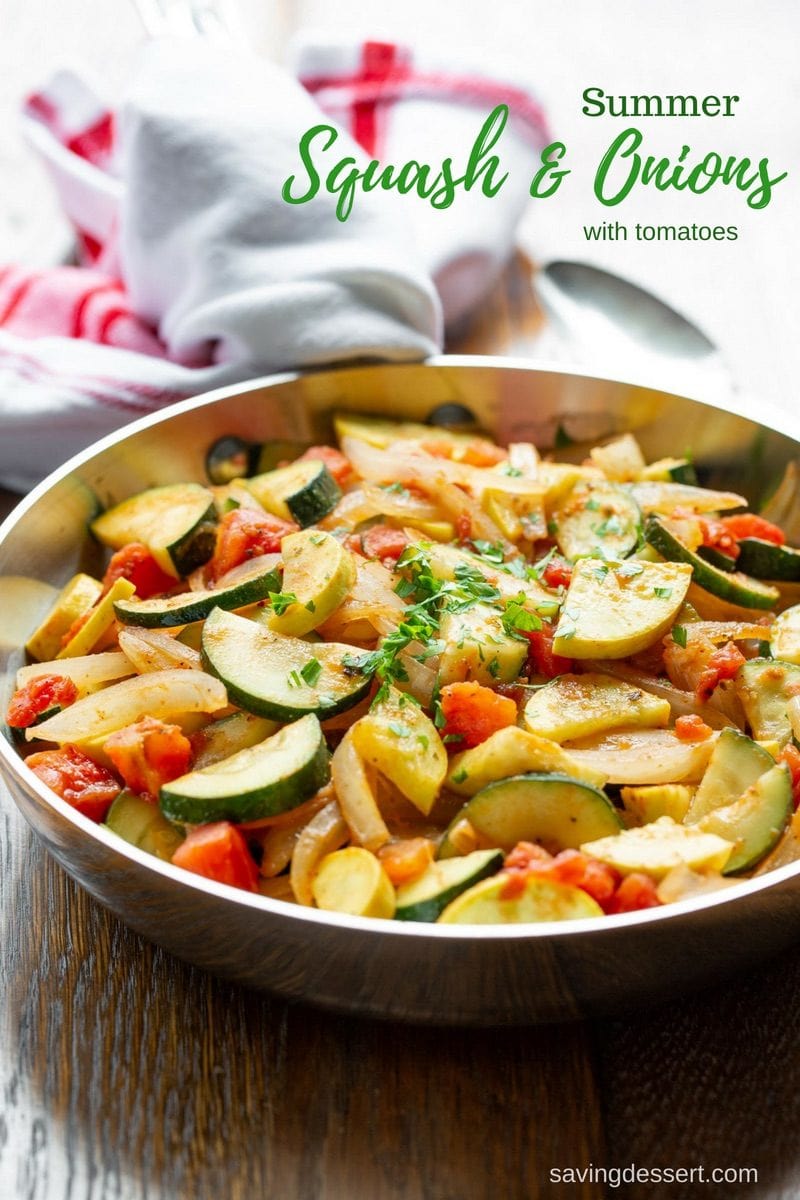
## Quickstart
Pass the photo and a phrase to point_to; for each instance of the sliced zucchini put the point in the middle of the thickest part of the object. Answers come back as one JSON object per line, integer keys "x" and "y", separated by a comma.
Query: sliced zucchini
{"x": 736, "y": 762}
{"x": 425, "y": 898}
{"x": 229, "y": 735}
{"x": 304, "y": 492}
{"x": 765, "y": 686}
{"x": 279, "y": 677}
{"x": 723, "y": 562}
{"x": 765, "y": 560}
{"x": 400, "y": 741}
{"x": 228, "y": 458}
{"x": 540, "y": 900}
{"x": 353, "y": 881}
{"x": 613, "y": 611}
{"x": 101, "y": 618}
{"x": 376, "y": 431}
{"x": 319, "y": 571}
{"x": 756, "y": 821}
{"x": 575, "y": 706}
{"x": 649, "y": 802}
{"x": 555, "y": 810}
{"x": 733, "y": 586}
{"x": 74, "y": 600}
{"x": 664, "y": 498}
{"x": 670, "y": 470}
{"x": 176, "y": 522}
{"x": 139, "y": 822}
{"x": 477, "y": 647}
{"x": 785, "y": 636}
{"x": 597, "y": 519}
{"x": 444, "y": 561}
{"x": 188, "y": 607}
{"x": 513, "y": 751}
{"x": 261, "y": 781}
{"x": 657, "y": 848}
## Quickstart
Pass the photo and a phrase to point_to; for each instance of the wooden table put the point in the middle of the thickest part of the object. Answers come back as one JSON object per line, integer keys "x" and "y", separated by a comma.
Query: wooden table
{"x": 127, "y": 1074}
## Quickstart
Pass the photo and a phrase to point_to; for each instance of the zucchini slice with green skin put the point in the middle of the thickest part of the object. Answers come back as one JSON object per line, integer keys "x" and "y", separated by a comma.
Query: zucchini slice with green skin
{"x": 319, "y": 571}
{"x": 785, "y": 636}
{"x": 539, "y": 900}
{"x": 425, "y": 898}
{"x": 765, "y": 686}
{"x": 733, "y": 586}
{"x": 723, "y": 562}
{"x": 597, "y": 519}
{"x": 177, "y": 523}
{"x": 670, "y": 470}
{"x": 765, "y": 560}
{"x": 555, "y": 810}
{"x": 189, "y": 607}
{"x": 139, "y": 822}
{"x": 260, "y": 781}
{"x": 280, "y": 677}
{"x": 304, "y": 492}
{"x": 754, "y": 822}
{"x": 736, "y": 762}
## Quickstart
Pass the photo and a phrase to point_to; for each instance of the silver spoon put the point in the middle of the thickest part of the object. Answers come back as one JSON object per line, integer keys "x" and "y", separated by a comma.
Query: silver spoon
{"x": 602, "y": 320}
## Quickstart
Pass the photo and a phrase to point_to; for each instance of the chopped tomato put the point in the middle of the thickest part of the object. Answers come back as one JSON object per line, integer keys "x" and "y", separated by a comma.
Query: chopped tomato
{"x": 219, "y": 852}
{"x": 406, "y": 859}
{"x": 36, "y": 697}
{"x": 136, "y": 563}
{"x": 76, "y": 626}
{"x": 722, "y": 664}
{"x": 383, "y": 542}
{"x": 464, "y": 527}
{"x": 149, "y": 754}
{"x": 748, "y": 525}
{"x": 339, "y": 466}
{"x": 636, "y": 891}
{"x": 473, "y": 712}
{"x": 692, "y": 728}
{"x": 557, "y": 573}
{"x": 571, "y": 867}
{"x": 76, "y": 778}
{"x": 717, "y": 536}
{"x": 245, "y": 533}
{"x": 541, "y": 659}
{"x": 791, "y": 756}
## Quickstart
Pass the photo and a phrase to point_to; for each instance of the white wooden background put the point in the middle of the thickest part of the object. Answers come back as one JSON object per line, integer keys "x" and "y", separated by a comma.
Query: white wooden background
{"x": 744, "y": 294}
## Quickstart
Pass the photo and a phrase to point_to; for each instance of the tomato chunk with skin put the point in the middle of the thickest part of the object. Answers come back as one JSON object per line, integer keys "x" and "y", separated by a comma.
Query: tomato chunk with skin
{"x": 135, "y": 563}
{"x": 557, "y": 573}
{"x": 571, "y": 867}
{"x": 149, "y": 754}
{"x": 717, "y": 536}
{"x": 635, "y": 892}
{"x": 541, "y": 659}
{"x": 339, "y": 466}
{"x": 383, "y": 542}
{"x": 78, "y": 779}
{"x": 472, "y": 712}
{"x": 406, "y": 859}
{"x": 218, "y": 851}
{"x": 748, "y": 525}
{"x": 243, "y": 534}
{"x": 791, "y": 756}
{"x": 43, "y": 693}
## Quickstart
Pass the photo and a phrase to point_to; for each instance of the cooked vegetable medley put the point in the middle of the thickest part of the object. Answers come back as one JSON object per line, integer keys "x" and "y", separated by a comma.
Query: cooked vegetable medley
{"x": 425, "y": 678}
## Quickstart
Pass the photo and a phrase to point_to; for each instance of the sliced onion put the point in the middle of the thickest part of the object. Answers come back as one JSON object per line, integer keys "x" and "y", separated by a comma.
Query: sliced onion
{"x": 87, "y": 672}
{"x": 356, "y": 798}
{"x": 372, "y": 599}
{"x": 324, "y": 833}
{"x": 405, "y": 463}
{"x": 727, "y": 631}
{"x": 456, "y": 503}
{"x": 524, "y": 457}
{"x": 643, "y": 756}
{"x": 246, "y": 570}
{"x": 160, "y": 694}
{"x": 155, "y": 650}
{"x": 404, "y": 505}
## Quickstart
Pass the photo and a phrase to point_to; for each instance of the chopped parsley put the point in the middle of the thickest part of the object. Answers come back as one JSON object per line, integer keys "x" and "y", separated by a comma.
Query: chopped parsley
{"x": 611, "y": 525}
{"x": 663, "y": 593}
{"x": 399, "y": 729}
{"x": 514, "y": 472}
{"x": 294, "y": 680}
{"x": 679, "y": 635}
{"x": 460, "y": 775}
{"x": 311, "y": 671}
{"x": 280, "y": 601}
{"x": 629, "y": 570}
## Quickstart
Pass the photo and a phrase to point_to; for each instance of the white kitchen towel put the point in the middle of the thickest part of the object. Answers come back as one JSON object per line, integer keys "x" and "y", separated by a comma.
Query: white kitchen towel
{"x": 197, "y": 273}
